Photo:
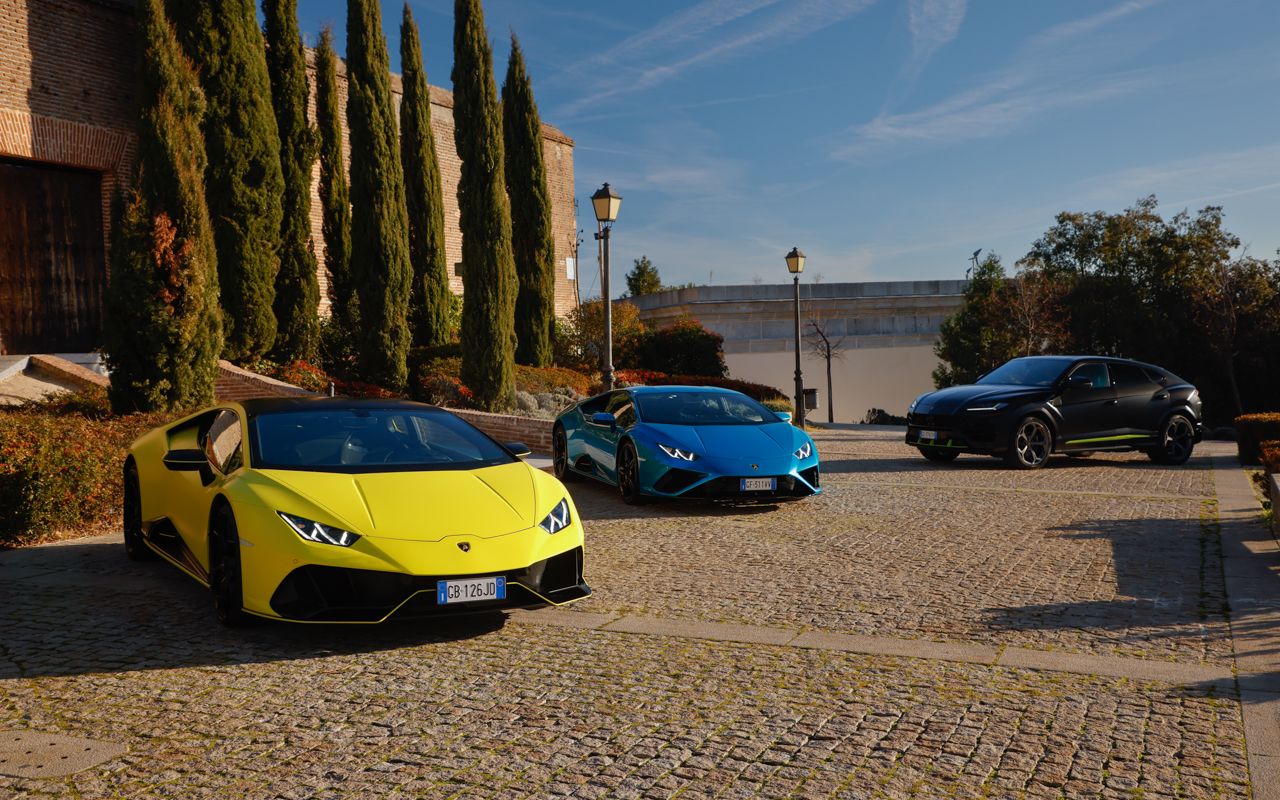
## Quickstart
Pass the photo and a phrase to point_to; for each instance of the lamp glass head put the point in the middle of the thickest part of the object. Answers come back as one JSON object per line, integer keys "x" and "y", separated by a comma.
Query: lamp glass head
{"x": 606, "y": 202}
{"x": 795, "y": 261}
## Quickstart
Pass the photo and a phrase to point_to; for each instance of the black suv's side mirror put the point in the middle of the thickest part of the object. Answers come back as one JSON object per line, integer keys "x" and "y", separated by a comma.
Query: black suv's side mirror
{"x": 185, "y": 460}
{"x": 1079, "y": 382}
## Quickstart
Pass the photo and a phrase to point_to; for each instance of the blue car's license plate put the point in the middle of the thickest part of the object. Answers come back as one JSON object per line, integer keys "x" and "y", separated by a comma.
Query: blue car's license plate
{"x": 471, "y": 590}
{"x": 758, "y": 484}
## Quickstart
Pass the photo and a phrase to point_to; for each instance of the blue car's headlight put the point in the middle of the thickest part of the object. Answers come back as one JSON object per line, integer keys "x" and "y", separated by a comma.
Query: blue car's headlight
{"x": 318, "y": 532}
{"x": 676, "y": 452}
{"x": 558, "y": 519}
{"x": 804, "y": 451}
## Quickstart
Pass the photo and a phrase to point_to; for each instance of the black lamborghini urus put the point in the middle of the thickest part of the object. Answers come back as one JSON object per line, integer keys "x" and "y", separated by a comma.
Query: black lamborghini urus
{"x": 1031, "y": 407}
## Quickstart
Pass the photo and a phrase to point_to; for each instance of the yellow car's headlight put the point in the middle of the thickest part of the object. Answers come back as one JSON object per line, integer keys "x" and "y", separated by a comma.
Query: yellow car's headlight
{"x": 558, "y": 519}
{"x": 318, "y": 532}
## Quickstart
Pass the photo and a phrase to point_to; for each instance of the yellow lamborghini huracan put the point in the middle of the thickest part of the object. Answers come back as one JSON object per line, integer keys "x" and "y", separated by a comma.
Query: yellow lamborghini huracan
{"x": 338, "y": 510}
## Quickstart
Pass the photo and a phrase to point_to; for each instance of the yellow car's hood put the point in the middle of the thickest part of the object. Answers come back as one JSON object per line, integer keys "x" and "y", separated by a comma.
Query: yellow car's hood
{"x": 419, "y": 506}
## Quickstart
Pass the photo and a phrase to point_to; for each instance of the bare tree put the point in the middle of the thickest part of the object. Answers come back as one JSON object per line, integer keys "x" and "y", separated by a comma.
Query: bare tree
{"x": 1037, "y": 317}
{"x": 818, "y": 337}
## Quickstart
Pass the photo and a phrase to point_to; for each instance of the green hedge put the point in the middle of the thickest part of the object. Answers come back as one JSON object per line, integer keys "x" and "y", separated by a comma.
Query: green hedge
{"x": 1252, "y": 430}
{"x": 60, "y": 465}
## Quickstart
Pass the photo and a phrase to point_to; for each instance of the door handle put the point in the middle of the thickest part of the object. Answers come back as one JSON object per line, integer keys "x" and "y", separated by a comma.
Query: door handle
{"x": 1111, "y": 402}
{"x": 1162, "y": 396}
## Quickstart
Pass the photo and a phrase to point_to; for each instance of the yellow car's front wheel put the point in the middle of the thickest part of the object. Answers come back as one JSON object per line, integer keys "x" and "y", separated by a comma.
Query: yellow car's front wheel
{"x": 224, "y": 573}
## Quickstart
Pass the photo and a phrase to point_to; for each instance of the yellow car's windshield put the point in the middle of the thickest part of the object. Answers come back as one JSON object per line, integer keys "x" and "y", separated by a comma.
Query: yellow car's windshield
{"x": 367, "y": 439}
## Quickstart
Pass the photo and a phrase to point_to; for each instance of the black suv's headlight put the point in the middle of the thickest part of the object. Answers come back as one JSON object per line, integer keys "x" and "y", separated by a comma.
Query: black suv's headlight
{"x": 318, "y": 532}
{"x": 558, "y": 519}
{"x": 987, "y": 407}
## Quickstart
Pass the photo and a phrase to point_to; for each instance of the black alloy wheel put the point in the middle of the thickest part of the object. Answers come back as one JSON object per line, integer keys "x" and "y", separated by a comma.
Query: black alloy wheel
{"x": 224, "y": 574}
{"x": 939, "y": 454}
{"x": 1030, "y": 445}
{"x": 560, "y": 455}
{"x": 629, "y": 474}
{"x": 135, "y": 547}
{"x": 1177, "y": 440}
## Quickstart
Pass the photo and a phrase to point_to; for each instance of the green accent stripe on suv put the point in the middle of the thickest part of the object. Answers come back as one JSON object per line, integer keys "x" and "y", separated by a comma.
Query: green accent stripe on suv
{"x": 1119, "y": 438}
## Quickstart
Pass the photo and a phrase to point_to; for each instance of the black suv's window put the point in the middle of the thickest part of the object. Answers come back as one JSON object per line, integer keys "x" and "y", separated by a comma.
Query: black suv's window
{"x": 1096, "y": 373}
{"x": 1128, "y": 376}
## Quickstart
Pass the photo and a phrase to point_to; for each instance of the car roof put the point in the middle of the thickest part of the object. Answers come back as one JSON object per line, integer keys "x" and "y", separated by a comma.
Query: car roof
{"x": 268, "y": 405}
{"x": 668, "y": 389}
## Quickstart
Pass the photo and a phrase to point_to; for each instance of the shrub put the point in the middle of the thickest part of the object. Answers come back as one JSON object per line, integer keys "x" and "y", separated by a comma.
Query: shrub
{"x": 437, "y": 378}
{"x": 60, "y": 463}
{"x": 578, "y": 337}
{"x": 756, "y": 391}
{"x": 1270, "y": 456}
{"x": 684, "y": 347}
{"x": 878, "y": 416}
{"x": 299, "y": 373}
{"x": 1251, "y": 429}
{"x": 363, "y": 389}
{"x": 778, "y": 405}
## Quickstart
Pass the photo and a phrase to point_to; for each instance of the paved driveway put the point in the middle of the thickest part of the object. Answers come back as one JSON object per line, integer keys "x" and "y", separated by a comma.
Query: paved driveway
{"x": 919, "y": 630}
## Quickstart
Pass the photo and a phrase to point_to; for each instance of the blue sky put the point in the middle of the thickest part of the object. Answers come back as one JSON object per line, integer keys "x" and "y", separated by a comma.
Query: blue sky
{"x": 889, "y": 139}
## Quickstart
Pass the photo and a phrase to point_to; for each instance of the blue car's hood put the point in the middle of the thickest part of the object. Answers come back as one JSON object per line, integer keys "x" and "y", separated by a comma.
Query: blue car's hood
{"x": 730, "y": 441}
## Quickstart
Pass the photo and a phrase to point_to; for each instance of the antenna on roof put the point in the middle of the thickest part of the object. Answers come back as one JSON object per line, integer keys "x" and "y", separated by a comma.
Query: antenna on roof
{"x": 974, "y": 259}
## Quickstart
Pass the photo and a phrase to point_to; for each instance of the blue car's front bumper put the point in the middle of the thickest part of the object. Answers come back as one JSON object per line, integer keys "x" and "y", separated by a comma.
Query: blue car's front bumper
{"x": 721, "y": 479}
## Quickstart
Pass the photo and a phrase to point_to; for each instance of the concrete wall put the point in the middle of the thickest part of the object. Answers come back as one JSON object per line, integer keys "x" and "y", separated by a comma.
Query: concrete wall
{"x": 886, "y": 331}
{"x": 866, "y": 377}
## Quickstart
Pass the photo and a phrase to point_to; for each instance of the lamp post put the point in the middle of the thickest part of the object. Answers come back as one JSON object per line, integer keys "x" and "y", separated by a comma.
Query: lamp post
{"x": 795, "y": 265}
{"x": 606, "y": 202}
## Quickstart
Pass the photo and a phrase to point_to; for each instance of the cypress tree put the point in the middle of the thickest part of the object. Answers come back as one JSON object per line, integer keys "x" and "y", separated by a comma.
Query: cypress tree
{"x": 379, "y": 221}
{"x": 163, "y": 331}
{"x": 297, "y": 289}
{"x": 243, "y": 186}
{"x": 531, "y": 239}
{"x": 488, "y": 272}
{"x": 335, "y": 203}
{"x": 429, "y": 301}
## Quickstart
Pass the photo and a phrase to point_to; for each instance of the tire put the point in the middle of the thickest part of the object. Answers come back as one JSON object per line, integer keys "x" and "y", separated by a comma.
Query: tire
{"x": 135, "y": 546}
{"x": 224, "y": 573}
{"x": 939, "y": 454}
{"x": 560, "y": 456}
{"x": 629, "y": 475}
{"x": 1030, "y": 444}
{"x": 1177, "y": 440}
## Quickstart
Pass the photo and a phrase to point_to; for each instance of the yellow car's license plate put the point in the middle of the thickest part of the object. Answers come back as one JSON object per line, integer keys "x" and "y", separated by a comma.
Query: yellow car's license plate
{"x": 471, "y": 590}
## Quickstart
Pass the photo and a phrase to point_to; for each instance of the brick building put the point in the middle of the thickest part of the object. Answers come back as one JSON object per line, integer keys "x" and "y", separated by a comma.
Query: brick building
{"x": 67, "y": 116}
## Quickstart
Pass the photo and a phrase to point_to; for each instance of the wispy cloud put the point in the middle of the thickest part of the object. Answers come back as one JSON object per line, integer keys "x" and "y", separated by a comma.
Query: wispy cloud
{"x": 709, "y": 31}
{"x": 933, "y": 24}
{"x": 1057, "y": 68}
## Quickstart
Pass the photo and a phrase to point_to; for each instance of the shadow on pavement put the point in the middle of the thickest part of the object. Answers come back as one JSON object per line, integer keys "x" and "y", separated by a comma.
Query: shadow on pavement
{"x": 81, "y": 608}
{"x": 982, "y": 463}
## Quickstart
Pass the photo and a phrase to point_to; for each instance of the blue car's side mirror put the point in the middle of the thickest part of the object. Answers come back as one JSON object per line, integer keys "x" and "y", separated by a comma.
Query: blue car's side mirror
{"x": 785, "y": 416}
{"x": 604, "y": 418}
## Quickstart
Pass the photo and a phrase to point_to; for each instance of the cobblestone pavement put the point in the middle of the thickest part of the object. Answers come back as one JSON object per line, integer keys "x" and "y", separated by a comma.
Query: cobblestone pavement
{"x": 1115, "y": 558}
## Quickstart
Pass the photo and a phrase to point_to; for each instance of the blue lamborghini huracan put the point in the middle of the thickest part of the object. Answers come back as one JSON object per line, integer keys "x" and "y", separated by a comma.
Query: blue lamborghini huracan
{"x": 685, "y": 441}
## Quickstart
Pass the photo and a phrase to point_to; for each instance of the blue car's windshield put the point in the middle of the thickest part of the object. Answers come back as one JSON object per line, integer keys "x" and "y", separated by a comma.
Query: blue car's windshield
{"x": 1031, "y": 371}
{"x": 370, "y": 440}
{"x": 702, "y": 408}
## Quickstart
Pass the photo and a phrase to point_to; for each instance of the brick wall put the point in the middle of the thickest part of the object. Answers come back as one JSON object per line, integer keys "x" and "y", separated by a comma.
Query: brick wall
{"x": 557, "y": 151}
{"x": 68, "y": 371}
{"x": 68, "y": 72}
{"x": 234, "y": 383}
{"x": 536, "y": 433}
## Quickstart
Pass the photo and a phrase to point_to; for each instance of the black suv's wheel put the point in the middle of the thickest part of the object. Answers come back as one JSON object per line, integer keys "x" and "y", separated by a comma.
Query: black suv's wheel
{"x": 629, "y": 474}
{"x": 560, "y": 456}
{"x": 940, "y": 454}
{"x": 1177, "y": 440}
{"x": 1030, "y": 444}
{"x": 224, "y": 573}
{"x": 134, "y": 545}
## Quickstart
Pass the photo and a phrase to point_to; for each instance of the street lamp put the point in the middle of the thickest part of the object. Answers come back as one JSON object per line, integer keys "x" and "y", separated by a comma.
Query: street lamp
{"x": 795, "y": 265}
{"x": 606, "y": 202}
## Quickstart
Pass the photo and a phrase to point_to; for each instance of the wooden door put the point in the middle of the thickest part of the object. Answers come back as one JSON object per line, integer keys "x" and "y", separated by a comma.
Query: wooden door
{"x": 52, "y": 266}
